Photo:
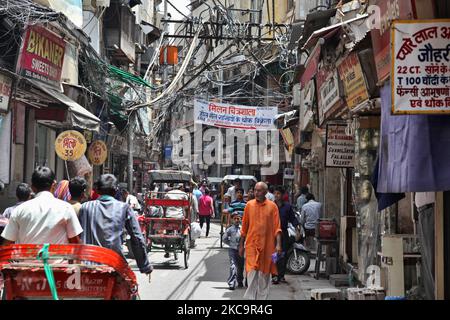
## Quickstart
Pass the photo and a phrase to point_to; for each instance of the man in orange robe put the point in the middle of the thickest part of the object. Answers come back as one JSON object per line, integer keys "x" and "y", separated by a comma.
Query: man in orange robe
{"x": 260, "y": 231}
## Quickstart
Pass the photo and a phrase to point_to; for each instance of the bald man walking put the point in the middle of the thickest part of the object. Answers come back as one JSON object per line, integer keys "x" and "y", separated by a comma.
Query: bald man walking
{"x": 260, "y": 229}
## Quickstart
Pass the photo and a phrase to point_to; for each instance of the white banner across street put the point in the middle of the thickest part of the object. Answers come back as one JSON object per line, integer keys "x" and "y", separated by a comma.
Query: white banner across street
{"x": 235, "y": 116}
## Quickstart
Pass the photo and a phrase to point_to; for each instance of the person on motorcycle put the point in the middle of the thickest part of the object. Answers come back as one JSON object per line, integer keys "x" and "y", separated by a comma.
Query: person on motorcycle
{"x": 287, "y": 216}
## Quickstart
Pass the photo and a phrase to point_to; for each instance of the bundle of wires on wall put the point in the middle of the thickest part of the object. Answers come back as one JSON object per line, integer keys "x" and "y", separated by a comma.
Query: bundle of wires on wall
{"x": 26, "y": 12}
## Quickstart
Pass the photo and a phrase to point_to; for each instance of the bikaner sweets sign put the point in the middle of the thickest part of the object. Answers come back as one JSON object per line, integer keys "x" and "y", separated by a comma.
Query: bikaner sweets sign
{"x": 42, "y": 56}
{"x": 97, "y": 152}
{"x": 70, "y": 145}
{"x": 421, "y": 69}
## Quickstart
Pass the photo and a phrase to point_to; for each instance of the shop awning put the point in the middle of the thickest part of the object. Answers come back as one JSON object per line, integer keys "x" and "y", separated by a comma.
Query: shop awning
{"x": 76, "y": 114}
{"x": 329, "y": 31}
{"x": 315, "y": 21}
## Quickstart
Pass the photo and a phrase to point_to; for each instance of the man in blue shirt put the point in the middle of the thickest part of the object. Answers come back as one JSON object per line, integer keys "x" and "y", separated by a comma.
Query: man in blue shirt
{"x": 286, "y": 216}
{"x": 310, "y": 214}
{"x": 103, "y": 221}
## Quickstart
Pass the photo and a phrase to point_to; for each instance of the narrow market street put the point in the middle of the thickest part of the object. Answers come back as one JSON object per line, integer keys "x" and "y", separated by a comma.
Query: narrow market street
{"x": 205, "y": 279}
{"x": 313, "y": 137}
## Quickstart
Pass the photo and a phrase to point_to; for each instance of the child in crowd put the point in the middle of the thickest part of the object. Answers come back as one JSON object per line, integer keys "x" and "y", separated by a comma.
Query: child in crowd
{"x": 231, "y": 237}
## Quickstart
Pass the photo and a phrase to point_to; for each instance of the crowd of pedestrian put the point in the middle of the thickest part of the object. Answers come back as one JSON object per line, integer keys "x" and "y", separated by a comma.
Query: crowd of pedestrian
{"x": 61, "y": 213}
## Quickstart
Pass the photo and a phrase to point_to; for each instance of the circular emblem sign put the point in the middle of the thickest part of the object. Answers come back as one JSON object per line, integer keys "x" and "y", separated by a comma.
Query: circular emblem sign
{"x": 98, "y": 152}
{"x": 70, "y": 145}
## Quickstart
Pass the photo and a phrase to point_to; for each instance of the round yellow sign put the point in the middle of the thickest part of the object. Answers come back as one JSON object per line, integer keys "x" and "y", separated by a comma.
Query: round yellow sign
{"x": 98, "y": 152}
{"x": 70, "y": 145}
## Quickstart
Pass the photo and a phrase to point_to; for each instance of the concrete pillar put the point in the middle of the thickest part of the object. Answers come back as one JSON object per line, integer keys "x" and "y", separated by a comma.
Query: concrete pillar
{"x": 30, "y": 141}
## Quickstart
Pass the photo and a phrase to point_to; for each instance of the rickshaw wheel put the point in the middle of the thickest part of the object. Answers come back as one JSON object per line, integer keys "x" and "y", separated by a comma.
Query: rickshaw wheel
{"x": 187, "y": 251}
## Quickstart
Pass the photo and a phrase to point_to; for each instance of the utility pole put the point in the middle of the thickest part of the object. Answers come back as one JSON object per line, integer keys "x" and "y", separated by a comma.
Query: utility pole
{"x": 130, "y": 153}
{"x": 164, "y": 79}
{"x": 166, "y": 30}
{"x": 221, "y": 144}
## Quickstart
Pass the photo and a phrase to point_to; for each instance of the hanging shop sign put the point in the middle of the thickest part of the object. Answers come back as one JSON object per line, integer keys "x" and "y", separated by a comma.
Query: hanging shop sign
{"x": 312, "y": 64}
{"x": 352, "y": 77}
{"x": 386, "y": 11}
{"x": 5, "y": 92}
{"x": 41, "y": 56}
{"x": 235, "y": 116}
{"x": 421, "y": 70}
{"x": 340, "y": 148}
{"x": 97, "y": 153}
{"x": 308, "y": 102}
{"x": 70, "y": 145}
{"x": 328, "y": 92}
{"x": 288, "y": 139}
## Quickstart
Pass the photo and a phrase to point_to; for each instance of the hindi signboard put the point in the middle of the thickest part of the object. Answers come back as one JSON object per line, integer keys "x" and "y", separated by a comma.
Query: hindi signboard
{"x": 98, "y": 152}
{"x": 328, "y": 91}
{"x": 235, "y": 116}
{"x": 352, "y": 77}
{"x": 70, "y": 145}
{"x": 421, "y": 70}
{"x": 41, "y": 56}
{"x": 340, "y": 151}
{"x": 5, "y": 92}
{"x": 386, "y": 11}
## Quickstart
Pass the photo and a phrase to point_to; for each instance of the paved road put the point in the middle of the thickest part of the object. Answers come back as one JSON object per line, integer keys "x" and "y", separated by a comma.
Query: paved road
{"x": 205, "y": 279}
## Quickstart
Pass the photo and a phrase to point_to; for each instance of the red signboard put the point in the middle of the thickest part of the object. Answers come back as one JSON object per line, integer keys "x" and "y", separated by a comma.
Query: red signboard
{"x": 311, "y": 65}
{"x": 42, "y": 55}
{"x": 387, "y": 10}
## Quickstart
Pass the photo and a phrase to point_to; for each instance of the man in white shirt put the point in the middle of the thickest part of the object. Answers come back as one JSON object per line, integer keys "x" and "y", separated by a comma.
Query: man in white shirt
{"x": 232, "y": 190}
{"x": 176, "y": 194}
{"x": 269, "y": 195}
{"x": 131, "y": 200}
{"x": 43, "y": 219}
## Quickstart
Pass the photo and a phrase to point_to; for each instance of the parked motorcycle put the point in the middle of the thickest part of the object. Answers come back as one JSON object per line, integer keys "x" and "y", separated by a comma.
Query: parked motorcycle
{"x": 298, "y": 256}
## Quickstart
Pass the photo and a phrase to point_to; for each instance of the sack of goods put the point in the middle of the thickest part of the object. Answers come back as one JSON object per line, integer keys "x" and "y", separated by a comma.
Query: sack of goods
{"x": 196, "y": 231}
